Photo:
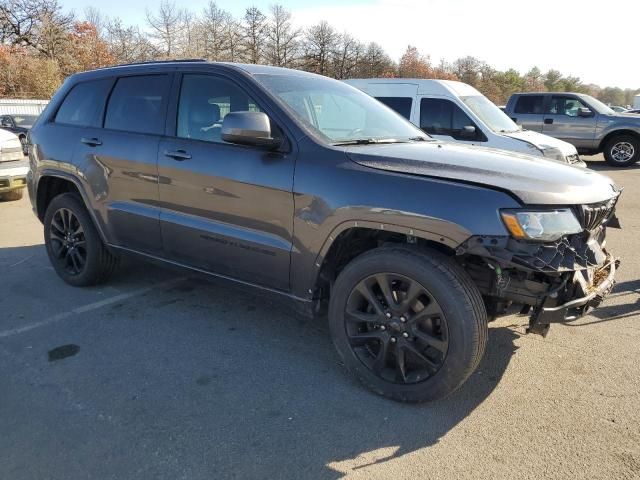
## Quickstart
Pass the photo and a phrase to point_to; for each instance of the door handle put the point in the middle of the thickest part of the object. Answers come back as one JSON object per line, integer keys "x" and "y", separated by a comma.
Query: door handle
{"x": 179, "y": 155}
{"x": 548, "y": 121}
{"x": 92, "y": 142}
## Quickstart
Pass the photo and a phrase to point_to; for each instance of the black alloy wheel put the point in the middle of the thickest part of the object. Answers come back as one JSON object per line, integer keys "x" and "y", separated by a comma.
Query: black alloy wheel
{"x": 396, "y": 328}
{"x": 68, "y": 241}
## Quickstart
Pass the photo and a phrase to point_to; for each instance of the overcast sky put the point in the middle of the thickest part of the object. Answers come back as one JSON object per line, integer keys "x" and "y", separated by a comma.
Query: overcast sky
{"x": 596, "y": 40}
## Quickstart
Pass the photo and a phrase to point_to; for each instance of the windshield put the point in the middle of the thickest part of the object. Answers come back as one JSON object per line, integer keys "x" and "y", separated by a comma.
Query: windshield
{"x": 492, "y": 116}
{"x": 337, "y": 112}
{"x": 597, "y": 105}
{"x": 25, "y": 120}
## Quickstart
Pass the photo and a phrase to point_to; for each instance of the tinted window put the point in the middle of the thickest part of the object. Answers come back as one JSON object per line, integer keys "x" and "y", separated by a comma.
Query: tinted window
{"x": 204, "y": 102}
{"x": 83, "y": 104}
{"x": 137, "y": 104}
{"x": 443, "y": 117}
{"x": 533, "y": 104}
{"x": 565, "y": 106}
{"x": 402, "y": 105}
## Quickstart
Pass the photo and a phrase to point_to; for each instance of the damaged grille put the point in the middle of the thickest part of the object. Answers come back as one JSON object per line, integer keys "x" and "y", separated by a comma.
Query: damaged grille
{"x": 593, "y": 216}
{"x": 570, "y": 253}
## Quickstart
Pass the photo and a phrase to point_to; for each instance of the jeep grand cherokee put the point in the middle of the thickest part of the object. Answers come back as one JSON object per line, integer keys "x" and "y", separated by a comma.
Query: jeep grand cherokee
{"x": 310, "y": 189}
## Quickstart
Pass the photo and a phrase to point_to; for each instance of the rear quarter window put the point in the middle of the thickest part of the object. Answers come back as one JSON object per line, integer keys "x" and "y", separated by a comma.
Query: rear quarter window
{"x": 402, "y": 105}
{"x": 530, "y": 104}
{"x": 83, "y": 104}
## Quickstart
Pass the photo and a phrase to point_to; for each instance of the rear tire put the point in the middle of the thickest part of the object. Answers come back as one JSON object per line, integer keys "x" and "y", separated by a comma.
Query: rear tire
{"x": 622, "y": 150}
{"x": 13, "y": 195}
{"x": 432, "y": 346}
{"x": 73, "y": 244}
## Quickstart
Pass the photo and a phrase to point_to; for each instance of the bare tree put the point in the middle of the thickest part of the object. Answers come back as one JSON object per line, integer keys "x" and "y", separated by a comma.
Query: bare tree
{"x": 213, "y": 32}
{"x": 253, "y": 34}
{"x": 37, "y": 24}
{"x": 375, "y": 63}
{"x": 347, "y": 55}
{"x": 283, "y": 40}
{"x": 320, "y": 44}
{"x": 233, "y": 35}
{"x": 165, "y": 26}
{"x": 127, "y": 44}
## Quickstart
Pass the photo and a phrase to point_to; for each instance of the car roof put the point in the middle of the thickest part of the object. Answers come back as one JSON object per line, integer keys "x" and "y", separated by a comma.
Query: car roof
{"x": 170, "y": 65}
{"x": 430, "y": 86}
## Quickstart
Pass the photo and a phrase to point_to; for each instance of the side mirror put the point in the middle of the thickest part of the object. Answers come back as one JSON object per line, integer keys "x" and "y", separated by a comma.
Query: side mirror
{"x": 468, "y": 131}
{"x": 584, "y": 112}
{"x": 248, "y": 128}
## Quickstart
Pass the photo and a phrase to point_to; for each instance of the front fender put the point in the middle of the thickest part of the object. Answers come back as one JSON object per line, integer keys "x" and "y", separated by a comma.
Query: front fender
{"x": 347, "y": 195}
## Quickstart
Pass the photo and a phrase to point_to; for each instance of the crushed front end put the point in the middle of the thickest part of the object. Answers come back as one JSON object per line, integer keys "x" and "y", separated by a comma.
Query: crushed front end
{"x": 553, "y": 281}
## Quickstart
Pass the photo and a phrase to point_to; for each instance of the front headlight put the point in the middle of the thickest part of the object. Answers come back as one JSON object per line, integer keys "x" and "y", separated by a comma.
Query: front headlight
{"x": 553, "y": 153}
{"x": 545, "y": 225}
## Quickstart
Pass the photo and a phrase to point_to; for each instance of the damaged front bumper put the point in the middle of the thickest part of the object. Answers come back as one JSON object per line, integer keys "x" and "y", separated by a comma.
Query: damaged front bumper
{"x": 553, "y": 282}
{"x": 589, "y": 288}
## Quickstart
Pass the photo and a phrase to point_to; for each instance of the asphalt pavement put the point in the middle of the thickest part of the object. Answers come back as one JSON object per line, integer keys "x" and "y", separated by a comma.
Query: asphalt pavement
{"x": 163, "y": 374}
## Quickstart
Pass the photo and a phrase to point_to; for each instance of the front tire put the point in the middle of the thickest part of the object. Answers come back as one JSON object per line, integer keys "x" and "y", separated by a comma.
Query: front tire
{"x": 622, "y": 150}
{"x": 74, "y": 247}
{"x": 23, "y": 142}
{"x": 409, "y": 324}
{"x": 13, "y": 195}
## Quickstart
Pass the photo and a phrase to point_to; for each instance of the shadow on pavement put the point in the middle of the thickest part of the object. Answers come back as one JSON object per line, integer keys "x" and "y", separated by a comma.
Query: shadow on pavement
{"x": 221, "y": 381}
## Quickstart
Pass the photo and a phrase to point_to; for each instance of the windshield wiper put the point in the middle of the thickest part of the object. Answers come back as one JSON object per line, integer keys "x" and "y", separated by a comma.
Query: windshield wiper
{"x": 357, "y": 141}
{"x": 369, "y": 141}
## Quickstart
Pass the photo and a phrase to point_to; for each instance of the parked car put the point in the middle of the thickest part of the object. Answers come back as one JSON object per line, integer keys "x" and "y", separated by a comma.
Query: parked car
{"x": 307, "y": 188}
{"x": 582, "y": 121}
{"x": 455, "y": 111}
{"x": 13, "y": 167}
{"x": 20, "y": 125}
{"x": 618, "y": 108}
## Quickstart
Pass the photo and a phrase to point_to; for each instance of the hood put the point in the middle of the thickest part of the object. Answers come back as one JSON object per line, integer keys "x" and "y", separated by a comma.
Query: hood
{"x": 7, "y": 135}
{"x": 619, "y": 118}
{"x": 534, "y": 180}
{"x": 541, "y": 141}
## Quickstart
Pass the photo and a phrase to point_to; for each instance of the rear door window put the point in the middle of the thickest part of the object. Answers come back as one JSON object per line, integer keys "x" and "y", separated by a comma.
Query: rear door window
{"x": 402, "y": 105}
{"x": 137, "y": 104}
{"x": 83, "y": 104}
{"x": 530, "y": 104}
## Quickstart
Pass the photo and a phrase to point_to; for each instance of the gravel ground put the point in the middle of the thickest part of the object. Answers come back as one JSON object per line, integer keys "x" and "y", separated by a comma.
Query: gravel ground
{"x": 163, "y": 374}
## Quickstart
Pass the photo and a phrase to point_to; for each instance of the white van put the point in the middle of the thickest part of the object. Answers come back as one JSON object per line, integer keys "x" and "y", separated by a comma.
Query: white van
{"x": 455, "y": 111}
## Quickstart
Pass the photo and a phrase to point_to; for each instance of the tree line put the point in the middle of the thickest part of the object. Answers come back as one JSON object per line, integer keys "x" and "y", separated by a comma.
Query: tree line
{"x": 41, "y": 44}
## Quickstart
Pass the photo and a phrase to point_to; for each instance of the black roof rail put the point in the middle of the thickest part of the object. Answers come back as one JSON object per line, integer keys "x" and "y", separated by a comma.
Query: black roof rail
{"x": 150, "y": 62}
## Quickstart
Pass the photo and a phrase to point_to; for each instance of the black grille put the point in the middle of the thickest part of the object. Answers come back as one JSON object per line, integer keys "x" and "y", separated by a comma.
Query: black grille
{"x": 593, "y": 216}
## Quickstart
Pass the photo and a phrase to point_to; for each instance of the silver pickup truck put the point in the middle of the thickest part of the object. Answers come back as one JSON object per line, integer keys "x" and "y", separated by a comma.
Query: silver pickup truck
{"x": 587, "y": 123}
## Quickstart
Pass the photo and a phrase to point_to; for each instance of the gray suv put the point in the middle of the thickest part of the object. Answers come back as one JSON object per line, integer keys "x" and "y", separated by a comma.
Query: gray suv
{"x": 308, "y": 188}
{"x": 587, "y": 123}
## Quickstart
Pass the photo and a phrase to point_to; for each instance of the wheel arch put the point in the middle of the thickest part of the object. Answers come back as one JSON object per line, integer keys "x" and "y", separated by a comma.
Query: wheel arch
{"x": 351, "y": 239}
{"x": 615, "y": 133}
{"x": 52, "y": 184}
